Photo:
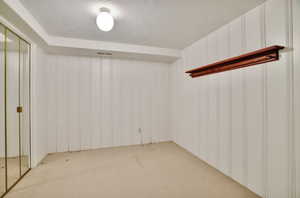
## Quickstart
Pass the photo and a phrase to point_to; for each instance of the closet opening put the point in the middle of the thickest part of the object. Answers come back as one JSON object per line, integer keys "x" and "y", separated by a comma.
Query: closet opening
{"x": 15, "y": 118}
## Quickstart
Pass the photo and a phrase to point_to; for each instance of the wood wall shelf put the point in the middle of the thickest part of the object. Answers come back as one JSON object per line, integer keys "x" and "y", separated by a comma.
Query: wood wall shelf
{"x": 260, "y": 56}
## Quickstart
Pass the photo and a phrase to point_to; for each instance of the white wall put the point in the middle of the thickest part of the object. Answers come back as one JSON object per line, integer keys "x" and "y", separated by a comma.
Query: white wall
{"x": 39, "y": 105}
{"x": 296, "y": 26}
{"x": 240, "y": 121}
{"x": 93, "y": 102}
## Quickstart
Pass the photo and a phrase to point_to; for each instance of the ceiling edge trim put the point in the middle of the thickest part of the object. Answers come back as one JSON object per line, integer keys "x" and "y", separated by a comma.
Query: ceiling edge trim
{"x": 113, "y": 47}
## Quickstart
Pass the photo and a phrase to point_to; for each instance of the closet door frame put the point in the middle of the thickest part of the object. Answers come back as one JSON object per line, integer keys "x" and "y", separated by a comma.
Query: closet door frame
{"x": 6, "y": 30}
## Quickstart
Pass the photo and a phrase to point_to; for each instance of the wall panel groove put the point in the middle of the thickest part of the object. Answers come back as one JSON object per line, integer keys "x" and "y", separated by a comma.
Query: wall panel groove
{"x": 290, "y": 101}
{"x": 244, "y": 110}
{"x": 295, "y": 6}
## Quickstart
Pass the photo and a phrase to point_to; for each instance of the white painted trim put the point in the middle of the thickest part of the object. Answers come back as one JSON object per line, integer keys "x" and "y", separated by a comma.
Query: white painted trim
{"x": 14, "y": 29}
{"x": 53, "y": 41}
{"x": 17, "y": 7}
{"x": 112, "y": 46}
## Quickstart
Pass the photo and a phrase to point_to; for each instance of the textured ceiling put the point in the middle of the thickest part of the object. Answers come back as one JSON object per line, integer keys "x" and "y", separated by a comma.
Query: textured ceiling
{"x": 160, "y": 23}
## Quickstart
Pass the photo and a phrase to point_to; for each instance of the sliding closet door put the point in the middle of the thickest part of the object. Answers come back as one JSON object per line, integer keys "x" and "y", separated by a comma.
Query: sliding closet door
{"x": 25, "y": 103}
{"x": 2, "y": 113}
{"x": 13, "y": 101}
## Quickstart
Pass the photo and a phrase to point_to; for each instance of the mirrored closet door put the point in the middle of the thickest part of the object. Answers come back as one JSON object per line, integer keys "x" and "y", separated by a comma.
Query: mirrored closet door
{"x": 25, "y": 104}
{"x": 14, "y": 109}
{"x": 2, "y": 114}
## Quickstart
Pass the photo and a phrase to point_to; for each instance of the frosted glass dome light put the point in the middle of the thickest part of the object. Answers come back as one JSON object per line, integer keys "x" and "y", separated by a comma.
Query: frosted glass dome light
{"x": 105, "y": 20}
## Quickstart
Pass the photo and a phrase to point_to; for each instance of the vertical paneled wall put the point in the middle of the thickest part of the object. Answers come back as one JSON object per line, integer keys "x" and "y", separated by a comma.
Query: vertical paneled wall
{"x": 95, "y": 102}
{"x": 39, "y": 106}
{"x": 240, "y": 121}
{"x": 296, "y": 38}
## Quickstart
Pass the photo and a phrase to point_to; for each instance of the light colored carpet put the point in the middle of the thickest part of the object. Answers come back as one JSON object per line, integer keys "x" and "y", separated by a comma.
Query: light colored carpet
{"x": 161, "y": 170}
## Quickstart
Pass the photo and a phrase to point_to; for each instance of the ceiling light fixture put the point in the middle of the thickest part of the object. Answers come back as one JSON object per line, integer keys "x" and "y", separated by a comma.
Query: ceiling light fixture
{"x": 105, "y": 20}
